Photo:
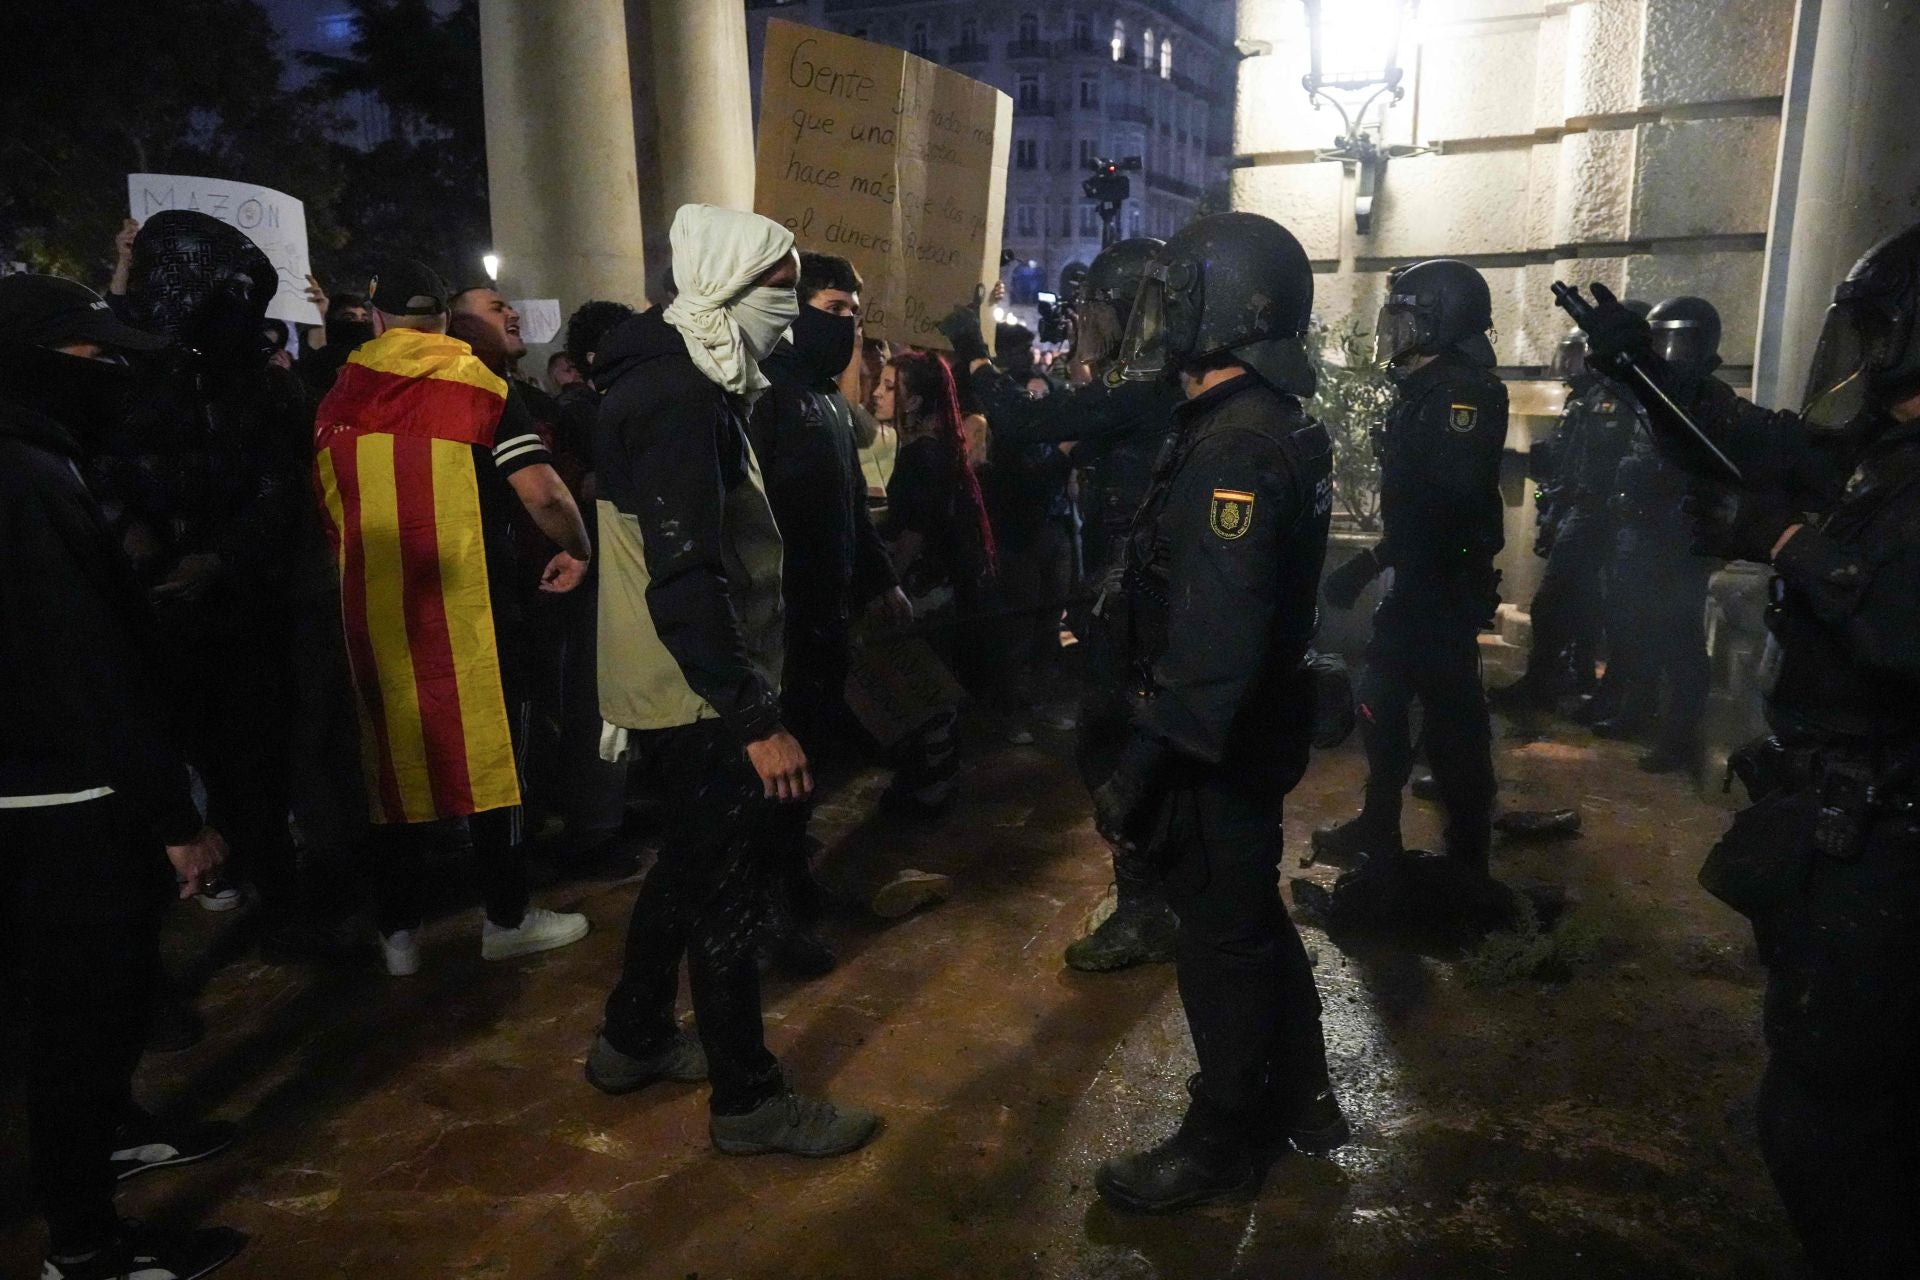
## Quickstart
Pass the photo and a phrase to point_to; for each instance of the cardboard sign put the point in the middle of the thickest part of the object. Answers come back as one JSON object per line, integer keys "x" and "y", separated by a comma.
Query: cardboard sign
{"x": 889, "y": 161}
{"x": 539, "y": 319}
{"x": 897, "y": 686}
{"x": 273, "y": 220}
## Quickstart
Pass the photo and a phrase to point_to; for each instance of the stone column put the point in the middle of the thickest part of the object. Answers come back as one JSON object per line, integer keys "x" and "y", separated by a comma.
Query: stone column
{"x": 1850, "y": 171}
{"x": 694, "y": 108}
{"x": 561, "y": 171}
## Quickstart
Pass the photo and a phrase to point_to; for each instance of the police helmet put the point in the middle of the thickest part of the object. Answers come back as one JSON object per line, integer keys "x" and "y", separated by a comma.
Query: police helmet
{"x": 1432, "y": 307}
{"x": 1229, "y": 284}
{"x": 1868, "y": 357}
{"x": 1570, "y": 358}
{"x": 1686, "y": 335}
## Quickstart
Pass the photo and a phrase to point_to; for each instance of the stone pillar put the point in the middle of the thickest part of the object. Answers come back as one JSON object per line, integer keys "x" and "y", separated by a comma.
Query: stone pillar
{"x": 1850, "y": 171}
{"x": 561, "y": 169}
{"x": 693, "y": 108}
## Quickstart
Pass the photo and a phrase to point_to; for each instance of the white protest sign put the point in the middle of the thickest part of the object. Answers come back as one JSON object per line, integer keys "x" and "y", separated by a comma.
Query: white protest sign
{"x": 539, "y": 319}
{"x": 271, "y": 219}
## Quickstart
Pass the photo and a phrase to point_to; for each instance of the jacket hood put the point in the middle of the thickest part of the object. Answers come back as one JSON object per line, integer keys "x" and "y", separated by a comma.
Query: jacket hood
{"x": 202, "y": 283}
{"x": 634, "y": 342}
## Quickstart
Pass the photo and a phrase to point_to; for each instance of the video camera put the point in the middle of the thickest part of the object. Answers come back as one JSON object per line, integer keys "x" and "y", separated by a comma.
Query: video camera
{"x": 1109, "y": 184}
{"x": 1053, "y": 318}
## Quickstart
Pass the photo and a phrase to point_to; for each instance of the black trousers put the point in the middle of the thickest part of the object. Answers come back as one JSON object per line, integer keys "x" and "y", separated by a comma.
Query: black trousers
{"x": 1244, "y": 977}
{"x": 1840, "y": 1103}
{"x": 1569, "y": 608}
{"x": 398, "y": 854}
{"x": 704, "y": 900}
{"x": 1432, "y": 654}
{"x": 83, "y": 889}
{"x": 1660, "y": 612}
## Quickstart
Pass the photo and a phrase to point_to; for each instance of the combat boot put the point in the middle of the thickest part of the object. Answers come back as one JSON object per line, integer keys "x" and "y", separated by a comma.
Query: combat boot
{"x": 1140, "y": 931}
{"x": 1206, "y": 1160}
{"x": 1350, "y": 843}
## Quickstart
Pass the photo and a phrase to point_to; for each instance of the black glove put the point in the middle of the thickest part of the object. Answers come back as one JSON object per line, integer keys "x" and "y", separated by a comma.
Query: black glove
{"x": 1344, "y": 585}
{"x": 1738, "y": 524}
{"x": 961, "y": 329}
{"x": 1615, "y": 336}
{"x": 1126, "y": 803}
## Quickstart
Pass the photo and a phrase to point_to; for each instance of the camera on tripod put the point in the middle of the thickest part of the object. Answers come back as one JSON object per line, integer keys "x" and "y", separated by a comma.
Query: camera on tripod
{"x": 1109, "y": 184}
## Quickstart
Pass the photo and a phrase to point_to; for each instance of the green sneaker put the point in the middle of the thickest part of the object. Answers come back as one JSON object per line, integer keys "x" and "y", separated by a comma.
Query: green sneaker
{"x": 797, "y": 1125}
{"x": 681, "y": 1059}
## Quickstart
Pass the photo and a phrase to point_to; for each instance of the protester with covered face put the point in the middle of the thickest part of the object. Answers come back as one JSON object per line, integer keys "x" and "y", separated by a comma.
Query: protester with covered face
{"x": 691, "y": 639}
{"x": 420, "y": 458}
{"x": 348, "y": 323}
{"x": 204, "y": 479}
{"x": 95, "y": 800}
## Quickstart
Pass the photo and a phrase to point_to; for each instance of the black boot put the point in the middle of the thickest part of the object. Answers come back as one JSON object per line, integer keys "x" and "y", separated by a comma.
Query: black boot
{"x": 1675, "y": 757}
{"x": 1349, "y": 843}
{"x": 1310, "y": 1122}
{"x": 1138, "y": 932}
{"x": 1425, "y": 787}
{"x": 1206, "y": 1160}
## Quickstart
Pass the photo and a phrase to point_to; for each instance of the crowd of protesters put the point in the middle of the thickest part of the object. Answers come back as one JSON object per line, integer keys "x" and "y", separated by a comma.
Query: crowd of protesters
{"x": 298, "y": 612}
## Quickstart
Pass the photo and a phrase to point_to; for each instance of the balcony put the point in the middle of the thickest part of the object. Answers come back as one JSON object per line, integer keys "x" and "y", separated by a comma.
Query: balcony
{"x": 1029, "y": 49}
{"x": 958, "y": 54}
{"x": 1034, "y": 107}
{"x": 1128, "y": 113}
{"x": 1172, "y": 186}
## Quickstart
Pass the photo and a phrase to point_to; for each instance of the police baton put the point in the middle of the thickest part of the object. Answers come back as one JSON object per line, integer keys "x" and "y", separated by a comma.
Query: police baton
{"x": 1673, "y": 427}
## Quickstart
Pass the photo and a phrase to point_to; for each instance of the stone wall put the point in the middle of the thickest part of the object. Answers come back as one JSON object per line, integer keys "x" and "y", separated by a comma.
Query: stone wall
{"x": 1629, "y": 141}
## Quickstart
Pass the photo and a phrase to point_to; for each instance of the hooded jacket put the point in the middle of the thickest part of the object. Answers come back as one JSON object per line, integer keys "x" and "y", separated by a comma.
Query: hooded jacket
{"x": 803, "y": 436}
{"x": 690, "y": 557}
{"x": 81, "y": 711}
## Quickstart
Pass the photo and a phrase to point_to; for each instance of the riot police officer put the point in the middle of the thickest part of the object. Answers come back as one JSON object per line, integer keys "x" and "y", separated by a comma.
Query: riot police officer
{"x": 1440, "y": 507}
{"x": 1576, "y": 533}
{"x": 1826, "y": 862}
{"x": 1211, "y": 627}
{"x": 1118, "y": 428}
{"x": 1658, "y": 672}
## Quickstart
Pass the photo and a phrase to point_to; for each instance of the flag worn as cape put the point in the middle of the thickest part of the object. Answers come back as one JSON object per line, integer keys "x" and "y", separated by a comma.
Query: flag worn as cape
{"x": 395, "y": 470}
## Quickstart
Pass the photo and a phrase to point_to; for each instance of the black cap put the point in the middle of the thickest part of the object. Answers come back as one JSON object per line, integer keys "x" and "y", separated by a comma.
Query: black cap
{"x": 47, "y": 311}
{"x": 408, "y": 287}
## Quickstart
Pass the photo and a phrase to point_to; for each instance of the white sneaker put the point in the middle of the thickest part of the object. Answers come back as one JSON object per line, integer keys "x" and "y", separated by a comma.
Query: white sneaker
{"x": 908, "y": 891}
{"x": 401, "y": 951}
{"x": 540, "y": 930}
{"x": 226, "y": 896}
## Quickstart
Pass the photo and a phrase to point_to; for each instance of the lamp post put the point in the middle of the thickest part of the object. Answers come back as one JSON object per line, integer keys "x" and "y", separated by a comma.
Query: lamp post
{"x": 491, "y": 261}
{"x": 1354, "y": 49}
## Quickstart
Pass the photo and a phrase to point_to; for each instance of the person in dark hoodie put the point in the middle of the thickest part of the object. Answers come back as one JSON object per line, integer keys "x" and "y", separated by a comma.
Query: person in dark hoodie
{"x": 691, "y": 636}
{"x": 206, "y": 483}
{"x": 834, "y": 567}
{"x": 349, "y": 322}
{"x": 92, "y": 791}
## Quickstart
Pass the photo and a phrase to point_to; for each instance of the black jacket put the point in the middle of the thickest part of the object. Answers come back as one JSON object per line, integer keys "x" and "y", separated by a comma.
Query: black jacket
{"x": 1440, "y": 506}
{"x": 80, "y": 705}
{"x": 1223, "y": 563}
{"x": 802, "y": 433}
{"x": 679, "y": 491}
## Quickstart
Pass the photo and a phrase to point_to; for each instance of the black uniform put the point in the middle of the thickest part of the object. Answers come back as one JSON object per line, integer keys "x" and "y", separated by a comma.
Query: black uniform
{"x": 1596, "y": 430}
{"x": 1440, "y": 506}
{"x": 1658, "y": 604}
{"x": 1826, "y": 863}
{"x": 1217, "y": 611}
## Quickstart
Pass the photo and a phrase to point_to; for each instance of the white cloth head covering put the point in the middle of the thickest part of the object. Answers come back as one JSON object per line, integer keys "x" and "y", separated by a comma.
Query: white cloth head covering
{"x": 717, "y": 255}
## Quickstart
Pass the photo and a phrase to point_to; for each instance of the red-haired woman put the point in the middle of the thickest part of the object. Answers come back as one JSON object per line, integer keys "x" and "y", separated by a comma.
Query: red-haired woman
{"x": 935, "y": 516}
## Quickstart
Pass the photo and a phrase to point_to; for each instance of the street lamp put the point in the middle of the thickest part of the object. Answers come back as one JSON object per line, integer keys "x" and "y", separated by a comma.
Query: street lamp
{"x": 491, "y": 262}
{"x": 1355, "y": 46}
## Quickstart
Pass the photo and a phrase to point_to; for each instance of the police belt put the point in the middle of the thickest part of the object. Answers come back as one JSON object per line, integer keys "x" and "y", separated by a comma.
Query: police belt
{"x": 1883, "y": 777}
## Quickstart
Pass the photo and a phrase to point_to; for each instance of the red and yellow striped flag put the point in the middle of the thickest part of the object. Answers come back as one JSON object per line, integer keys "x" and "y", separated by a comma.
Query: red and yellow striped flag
{"x": 394, "y": 467}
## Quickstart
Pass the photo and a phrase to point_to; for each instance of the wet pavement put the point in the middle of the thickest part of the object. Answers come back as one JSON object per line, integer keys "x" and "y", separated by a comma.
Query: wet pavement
{"x": 439, "y": 1126}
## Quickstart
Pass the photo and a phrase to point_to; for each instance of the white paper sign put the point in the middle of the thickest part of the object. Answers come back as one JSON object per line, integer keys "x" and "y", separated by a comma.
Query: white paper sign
{"x": 539, "y": 319}
{"x": 271, "y": 219}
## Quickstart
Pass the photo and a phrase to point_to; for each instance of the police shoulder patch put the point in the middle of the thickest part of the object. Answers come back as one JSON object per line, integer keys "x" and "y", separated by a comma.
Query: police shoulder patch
{"x": 1463, "y": 417}
{"x": 1231, "y": 514}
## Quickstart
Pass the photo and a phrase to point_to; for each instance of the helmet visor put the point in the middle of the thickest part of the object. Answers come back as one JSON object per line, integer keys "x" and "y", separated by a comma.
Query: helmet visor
{"x": 1842, "y": 364}
{"x": 1570, "y": 360}
{"x": 1144, "y": 353}
{"x": 1683, "y": 347}
{"x": 1096, "y": 332}
{"x": 1396, "y": 334}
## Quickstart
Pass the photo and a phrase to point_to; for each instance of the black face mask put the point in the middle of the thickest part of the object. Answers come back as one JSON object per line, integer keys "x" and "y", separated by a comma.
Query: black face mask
{"x": 824, "y": 341}
{"x": 347, "y": 333}
{"x": 87, "y": 397}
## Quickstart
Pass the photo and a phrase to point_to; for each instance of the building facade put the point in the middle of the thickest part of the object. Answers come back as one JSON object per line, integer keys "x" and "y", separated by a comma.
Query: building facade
{"x": 1107, "y": 80}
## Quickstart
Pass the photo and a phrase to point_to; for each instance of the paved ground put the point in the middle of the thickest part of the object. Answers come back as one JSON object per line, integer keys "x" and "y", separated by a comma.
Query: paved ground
{"x": 1600, "y": 1126}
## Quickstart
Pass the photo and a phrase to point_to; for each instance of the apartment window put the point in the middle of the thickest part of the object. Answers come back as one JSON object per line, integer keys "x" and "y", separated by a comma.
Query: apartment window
{"x": 1089, "y": 148}
{"x": 1089, "y": 92}
{"x": 1147, "y": 48}
{"x": 1023, "y": 219}
{"x": 1028, "y": 96}
{"x": 1029, "y": 28}
{"x": 1066, "y": 220}
{"x": 1166, "y": 58}
{"x": 1119, "y": 39}
{"x": 1089, "y": 221}
{"x": 969, "y": 31}
{"x": 1026, "y": 154}
{"x": 917, "y": 42}
{"x": 1082, "y": 31}
{"x": 1135, "y": 222}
